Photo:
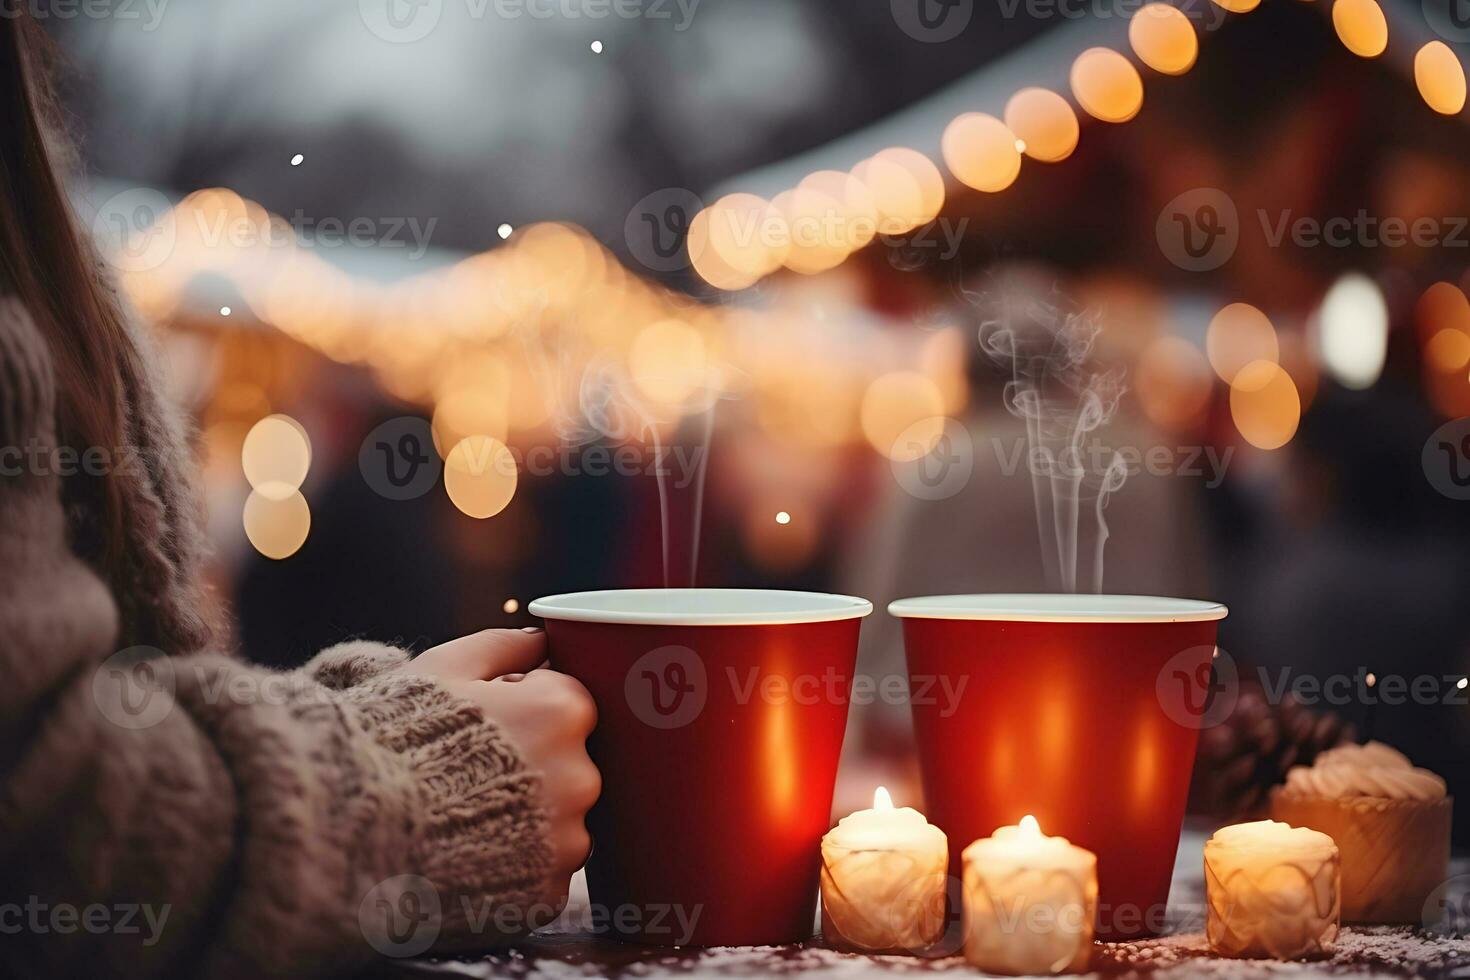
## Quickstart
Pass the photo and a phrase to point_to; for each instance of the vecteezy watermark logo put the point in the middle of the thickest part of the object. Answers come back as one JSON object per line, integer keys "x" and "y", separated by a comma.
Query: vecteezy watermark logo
{"x": 1198, "y": 687}
{"x": 1446, "y": 459}
{"x": 1199, "y": 230}
{"x": 657, "y": 228}
{"x": 135, "y": 230}
{"x": 932, "y": 21}
{"x": 1450, "y": 19}
{"x": 667, "y": 687}
{"x": 401, "y": 21}
{"x": 41, "y": 918}
{"x": 1447, "y": 909}
{"x": 401, "y": 916}
{"x": 931, "y": 468}
{"x": 398, "y": 459}
{"x": 148, "y": 12}
{"x": 134, "y": 688}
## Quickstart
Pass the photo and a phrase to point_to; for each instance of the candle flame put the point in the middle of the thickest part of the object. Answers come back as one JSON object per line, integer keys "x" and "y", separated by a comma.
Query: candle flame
{"x": 1030, "y": 826}
{"x": 881, "y": 799}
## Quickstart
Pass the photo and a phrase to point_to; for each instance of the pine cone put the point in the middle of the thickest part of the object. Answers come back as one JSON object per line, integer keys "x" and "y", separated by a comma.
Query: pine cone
{"x": 1243, "y": 757}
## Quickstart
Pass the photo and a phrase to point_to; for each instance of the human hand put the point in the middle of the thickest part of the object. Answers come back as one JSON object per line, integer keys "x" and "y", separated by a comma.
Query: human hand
{"x": 548, "y": 716}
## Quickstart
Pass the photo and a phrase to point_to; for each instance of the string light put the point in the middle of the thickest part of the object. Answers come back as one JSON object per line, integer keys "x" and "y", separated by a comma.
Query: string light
{"x": 1440, "y": 78}
{"x": 1361, "y": 27}
{"x": 1163, "y": 38}
{"x": 1107, "y": 85}
{"x": 1046, "y": 128}
{"x": 980, "y": 151}
{"x": 559, "y": 276}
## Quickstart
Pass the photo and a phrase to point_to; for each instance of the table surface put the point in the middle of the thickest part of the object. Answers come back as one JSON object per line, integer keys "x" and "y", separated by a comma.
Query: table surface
{"x": 564, "y": 952}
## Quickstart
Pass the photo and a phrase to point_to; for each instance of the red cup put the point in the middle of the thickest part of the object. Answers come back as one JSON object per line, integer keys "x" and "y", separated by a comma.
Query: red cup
{"x": 720, "y": 721}
{"x": 1082, "y": 710}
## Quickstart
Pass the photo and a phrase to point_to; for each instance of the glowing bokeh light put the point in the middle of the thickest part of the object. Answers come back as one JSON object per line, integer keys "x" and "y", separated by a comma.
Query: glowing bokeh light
{"x": 902, "y": 415}
{"x": 907, "y": 189}
{"x": 1442, "y": 305}
{"x": 667, "y": 361}
{"x": 277, "y": 527}
{"x": 980, "y": 151}
{"x": 1238, "y": 6}
{"x": 1044, "y": 123}
{"x": 469, "y": 410}
{"x": 1440, "y": 78}
{"x": 748, "y": 236}
{"x": 1163, "y": 38}
{"x": 707, "y": 260}
{"x": 276, "y": 456}
{"x": 814, "y": 219}
{"x": 1264, "y": 405}
{"x": 777, "y": 547}
{"x": 1106, "y": 85}
{"x": 480, "y": 476}
{"x": 1238, "y": 335}
{"x": 1173, "y": 381}
{"x": 855, "y": 223}
{"x": 1353, "y": 327}
{"x": 1448, "y": 350}
{"x": 1361, "y": 27}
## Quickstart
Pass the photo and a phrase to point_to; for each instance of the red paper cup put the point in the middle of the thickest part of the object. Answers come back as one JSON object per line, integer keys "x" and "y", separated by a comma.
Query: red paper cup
{"x": 720, "y": 721}
{"x": 1083, "y": 710}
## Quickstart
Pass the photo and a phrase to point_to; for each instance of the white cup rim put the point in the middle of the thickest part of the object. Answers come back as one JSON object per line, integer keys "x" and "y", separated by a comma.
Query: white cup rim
{"x": 1044, "y": 607}
{"x": 700, "y": 607}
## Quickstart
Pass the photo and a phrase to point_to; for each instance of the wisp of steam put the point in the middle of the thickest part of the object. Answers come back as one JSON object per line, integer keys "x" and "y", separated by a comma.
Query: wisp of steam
{"x": 1047, "y": 353}
{"x": 608, "y": 407}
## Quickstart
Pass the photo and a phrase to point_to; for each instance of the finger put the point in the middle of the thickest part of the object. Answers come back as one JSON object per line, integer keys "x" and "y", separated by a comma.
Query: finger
{"x": 571, "y": 848}
{"x": 486, "y": 655}
{"x": 584, "y": 785}
{"x": 566, "y": 696}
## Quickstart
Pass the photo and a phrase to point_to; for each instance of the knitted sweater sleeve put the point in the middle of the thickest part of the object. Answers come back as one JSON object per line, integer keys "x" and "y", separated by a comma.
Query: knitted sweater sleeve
{"x": 198, "y": 816}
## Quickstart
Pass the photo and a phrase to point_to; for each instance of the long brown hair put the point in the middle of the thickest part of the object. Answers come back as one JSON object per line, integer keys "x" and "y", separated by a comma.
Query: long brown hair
{"x": 55, "y": 271}
{"x": 52, "y": 269}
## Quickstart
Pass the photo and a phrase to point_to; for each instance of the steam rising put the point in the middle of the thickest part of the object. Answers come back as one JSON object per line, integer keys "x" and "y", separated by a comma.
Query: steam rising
{"x": 1048, "y": 353}
{"x": 609, "y": 407}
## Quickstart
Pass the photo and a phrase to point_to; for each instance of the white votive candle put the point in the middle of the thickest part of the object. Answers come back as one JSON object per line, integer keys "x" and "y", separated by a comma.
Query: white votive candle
{"x": 883, "y": 878}
{"x": 1030, "y": 902}
{"x": 1271, "y": 891}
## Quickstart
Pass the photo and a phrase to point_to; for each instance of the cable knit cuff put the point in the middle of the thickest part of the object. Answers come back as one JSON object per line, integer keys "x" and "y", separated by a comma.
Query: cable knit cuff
{"x": 480, "y": 835}
{"x": 353, "y": 662}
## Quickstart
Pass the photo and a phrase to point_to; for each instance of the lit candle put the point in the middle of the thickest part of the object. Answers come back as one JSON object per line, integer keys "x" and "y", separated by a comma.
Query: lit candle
{"x": 1030, "y": 902}
{"x": 1271, "y": 891}
{"x": 883, "y": 879}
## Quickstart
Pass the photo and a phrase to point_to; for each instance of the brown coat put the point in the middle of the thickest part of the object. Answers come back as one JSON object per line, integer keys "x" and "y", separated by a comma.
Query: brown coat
{"x": 192, "y": 814}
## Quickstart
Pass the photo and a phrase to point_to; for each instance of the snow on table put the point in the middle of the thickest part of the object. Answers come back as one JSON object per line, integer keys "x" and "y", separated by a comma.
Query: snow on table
{"x": 563, "y": 951}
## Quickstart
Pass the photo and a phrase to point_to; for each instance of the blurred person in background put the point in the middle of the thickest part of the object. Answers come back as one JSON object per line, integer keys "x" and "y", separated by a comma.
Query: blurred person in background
{"x": 261, "y": 823}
